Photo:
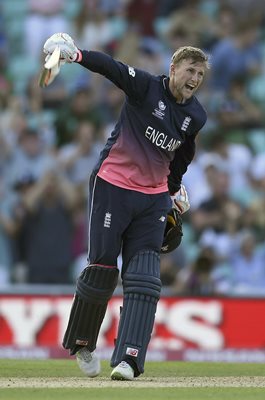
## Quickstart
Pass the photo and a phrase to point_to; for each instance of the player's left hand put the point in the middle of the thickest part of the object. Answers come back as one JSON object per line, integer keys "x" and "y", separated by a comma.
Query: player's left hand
{"x": 180, "y": 200}
{"x": 68, "y": 48}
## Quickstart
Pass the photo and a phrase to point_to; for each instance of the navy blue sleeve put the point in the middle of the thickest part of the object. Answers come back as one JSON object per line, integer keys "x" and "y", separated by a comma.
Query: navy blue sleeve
{"x": 132, "y": 81}
{"x": 179, "y": 165}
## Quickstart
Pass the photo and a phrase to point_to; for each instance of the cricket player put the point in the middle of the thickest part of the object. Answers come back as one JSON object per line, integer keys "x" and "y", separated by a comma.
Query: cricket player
{"x": 135, "y": 183}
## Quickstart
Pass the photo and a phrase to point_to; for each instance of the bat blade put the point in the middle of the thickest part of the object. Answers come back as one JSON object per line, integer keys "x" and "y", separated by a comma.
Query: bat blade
{"x": 51, "y": 68}
{"x": 54, "y": 59}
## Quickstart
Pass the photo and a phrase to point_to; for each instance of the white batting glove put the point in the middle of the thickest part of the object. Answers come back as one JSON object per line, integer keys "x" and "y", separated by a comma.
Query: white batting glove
{"x": 180, "y": 200}
{"x": 68, "y": 48}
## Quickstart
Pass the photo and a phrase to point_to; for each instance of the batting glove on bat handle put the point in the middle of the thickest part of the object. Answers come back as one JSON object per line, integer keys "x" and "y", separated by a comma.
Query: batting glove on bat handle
{"x": 180, "y": 200}
{"x": 69, "y": 51}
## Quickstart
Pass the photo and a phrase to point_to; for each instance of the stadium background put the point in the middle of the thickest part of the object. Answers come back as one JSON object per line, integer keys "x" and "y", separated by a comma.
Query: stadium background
{"x": 50, "y": 139}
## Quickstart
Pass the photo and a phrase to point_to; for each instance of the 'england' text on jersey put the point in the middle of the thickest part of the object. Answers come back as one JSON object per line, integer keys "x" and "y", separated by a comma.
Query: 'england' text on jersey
{"x": 160, "y": 139}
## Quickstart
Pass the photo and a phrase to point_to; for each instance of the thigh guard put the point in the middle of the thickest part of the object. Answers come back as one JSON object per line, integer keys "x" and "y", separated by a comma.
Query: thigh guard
{"x": 142, "y": 286}
{"x": 94, "y": 288}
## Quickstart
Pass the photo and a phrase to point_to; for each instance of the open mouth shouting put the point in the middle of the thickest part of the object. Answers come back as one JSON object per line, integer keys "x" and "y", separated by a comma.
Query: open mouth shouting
{"x": 189, "y": 87}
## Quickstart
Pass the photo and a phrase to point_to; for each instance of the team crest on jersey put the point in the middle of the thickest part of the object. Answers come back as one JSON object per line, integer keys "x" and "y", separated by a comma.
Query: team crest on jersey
{"x": 185, "y": 123}
{"x": 159, "y": 112}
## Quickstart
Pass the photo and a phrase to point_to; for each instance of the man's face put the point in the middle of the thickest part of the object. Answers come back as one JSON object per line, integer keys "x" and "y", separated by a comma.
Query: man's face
{"x": 185, "y": 78}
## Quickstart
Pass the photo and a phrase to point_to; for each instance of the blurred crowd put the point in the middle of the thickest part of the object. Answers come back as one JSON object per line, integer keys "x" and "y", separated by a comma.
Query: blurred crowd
{"x": 50, "y": 138}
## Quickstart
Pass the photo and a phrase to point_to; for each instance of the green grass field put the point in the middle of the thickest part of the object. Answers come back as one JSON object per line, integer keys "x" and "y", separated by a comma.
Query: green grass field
{"x": 61, "y": 379}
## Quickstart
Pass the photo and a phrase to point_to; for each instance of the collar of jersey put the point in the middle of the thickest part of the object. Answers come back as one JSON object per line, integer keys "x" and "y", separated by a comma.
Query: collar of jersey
{"x": 165, "y": 81}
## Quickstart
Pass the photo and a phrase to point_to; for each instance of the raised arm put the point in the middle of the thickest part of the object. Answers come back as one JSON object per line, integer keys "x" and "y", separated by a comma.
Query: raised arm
{"x": 133, "y": 82}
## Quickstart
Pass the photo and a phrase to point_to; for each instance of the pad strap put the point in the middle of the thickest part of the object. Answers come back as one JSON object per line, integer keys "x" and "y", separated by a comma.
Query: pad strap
{"x": 94, "y": 288}
{"x": 142, "y": 286}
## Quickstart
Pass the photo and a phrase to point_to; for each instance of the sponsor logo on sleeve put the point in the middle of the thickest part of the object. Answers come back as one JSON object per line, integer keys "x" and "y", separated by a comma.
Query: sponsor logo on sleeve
{"x": 131, "y": 71}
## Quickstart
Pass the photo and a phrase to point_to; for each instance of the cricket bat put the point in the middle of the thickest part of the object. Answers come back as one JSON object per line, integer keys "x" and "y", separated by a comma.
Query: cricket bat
{"x": 51, "y": 68}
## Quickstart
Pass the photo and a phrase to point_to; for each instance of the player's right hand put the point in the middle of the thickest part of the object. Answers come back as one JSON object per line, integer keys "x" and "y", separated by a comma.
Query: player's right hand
{"x": 69, "y": 50}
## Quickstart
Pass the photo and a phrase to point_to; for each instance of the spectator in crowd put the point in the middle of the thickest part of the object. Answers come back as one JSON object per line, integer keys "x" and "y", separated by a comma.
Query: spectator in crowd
{"x": 174, "y": 37}
{"x": 111, "y": 103}
{"x": 197, "y": 280}
{"x": 38, "y": 114}
{"x": 171, "y": 265}
{"x": 237, "y": 111}
{"x": 13, "y": 121}
{"x": 215, "y": 213}
{"x": 243, "y": 51}
{"x": 225, "y": 20}
{"x": 247, "y": 8}
{"x": 141, "y": 14}
{"x": 79, "y": 239}
{"x": 149, "y": 56}
{"x": 234, "y": 158}
{"x": 202, "y": 30}
{"x": 30, "y": 158}
{"x": 79, "y": 107}
{"x": 43, "y": 19}
{"x": 50, "y": 99}
{"x": 7, "y": 230}
{"x": 5, "y": 155}
{"x": 167, "y": 7}
{"x": 79, "y": 157}
{"x": 45, "y": 228}
{"x": 256, "y": 204}
{"x": 196, "y": 178}
{"x": 248, "y": 267}
{"x": 97, "y": 25}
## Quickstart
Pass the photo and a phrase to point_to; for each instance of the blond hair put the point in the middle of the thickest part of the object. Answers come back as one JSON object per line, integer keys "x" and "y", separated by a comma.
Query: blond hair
{"x": 189, "y": 52}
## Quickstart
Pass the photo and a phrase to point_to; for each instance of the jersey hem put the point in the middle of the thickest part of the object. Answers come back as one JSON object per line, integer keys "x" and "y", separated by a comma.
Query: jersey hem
{"x": 145, "y": 190}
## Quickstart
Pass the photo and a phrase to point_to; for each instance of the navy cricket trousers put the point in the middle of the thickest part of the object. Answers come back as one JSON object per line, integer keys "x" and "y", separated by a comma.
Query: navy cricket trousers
{"x": 123, "y": 221}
